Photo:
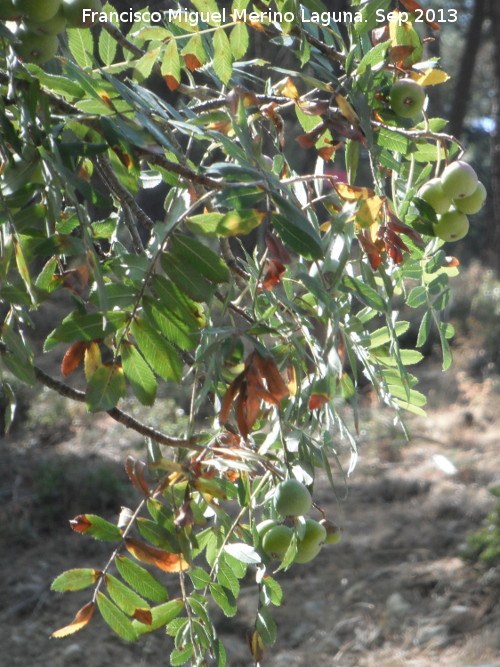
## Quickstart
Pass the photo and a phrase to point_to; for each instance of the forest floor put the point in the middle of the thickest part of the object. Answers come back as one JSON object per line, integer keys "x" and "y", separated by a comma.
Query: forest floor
{"x": 392, "y": 593}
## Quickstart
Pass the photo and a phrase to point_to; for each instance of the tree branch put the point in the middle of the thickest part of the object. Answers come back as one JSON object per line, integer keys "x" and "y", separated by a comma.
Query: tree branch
{"x": 115, "y": 413}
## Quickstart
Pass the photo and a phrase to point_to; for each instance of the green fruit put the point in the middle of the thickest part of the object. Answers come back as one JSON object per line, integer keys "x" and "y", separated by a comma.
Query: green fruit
{"x": 37, "y": 10}
{"x": 276, "y": 541}
{"x": 33, "y": 48}
{"x": 452, "y": 226}
{"x": 332, "y": 531}
{"x": 432, "y": 192}
{"x": 292, "y": 498}
{"x": 73, "y": 10}
{"x": 407, "y": 98}
{"x": 53, "y": 26}
{"x": 264, "y": 526}
{"x": 459, "y": 180}
{"x": 310, "y": 545}
{"x": 474, "y": 202}
{"x": 8, "y": 12}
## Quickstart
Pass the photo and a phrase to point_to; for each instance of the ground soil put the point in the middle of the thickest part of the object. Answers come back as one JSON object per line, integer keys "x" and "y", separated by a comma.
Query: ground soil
{"x": 394, "y": 592}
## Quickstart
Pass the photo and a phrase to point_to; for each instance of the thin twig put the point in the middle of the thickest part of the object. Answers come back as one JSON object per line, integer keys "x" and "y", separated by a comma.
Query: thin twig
{"x": 115, "y": 413}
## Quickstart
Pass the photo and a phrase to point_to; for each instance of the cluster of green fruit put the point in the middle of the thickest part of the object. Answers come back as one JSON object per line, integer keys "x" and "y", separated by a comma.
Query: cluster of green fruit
{"x": 455, "y": 195}
{"x": 41, "y": 21}
{"x": 292, "y": 500}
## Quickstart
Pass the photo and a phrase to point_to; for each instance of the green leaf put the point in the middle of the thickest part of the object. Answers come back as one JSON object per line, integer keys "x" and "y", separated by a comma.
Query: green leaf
{"x": 189, "y": 280}
{"x": 125, "y": 598}
{"x": 146, "y": 63}
{"x": 107, "y": 47}
{"x": 199, "y": 578}
{"x": 169, "y": 325}
{"x": 162, "y": 615}
{"x": 243, "y": 552}
{"x": 224, "y": 599}
{"x": 297, "y": 238}
{"x": 266, "y": 626}
{"x": 239, "y": 40}
{"x": 364, "y": 293}
{"x": 89, "y": 326}
{"x": 296, "y": 229}
{"x": 96, "y": 527}
{"x": 115, "y": 618}
{"x": 81, "y": 45}
{"x": 417, "y": 297}
{"x": 105, "y": 387}
{"x": 227, "y": 578}
{"x": 186, "y": 310}
{"x": 424, "y": 329}
{"x": 273, "y": 590}
{"x": 157, "y": 351}
{"x": 141, "y": 580}
{"x": 384, "y": 335}
{"x": 225, "y": 224}
{"x": 75, "y": 580}
{"x": 138, "y": 373}
{"x": 201, "y": 258}
{"x": 18, "y": 358}
{"x": 207, "y": 7}
{"x": 180, "y": 656}
{"x": 223, "y": 59}
{"x": 171, "y": 65}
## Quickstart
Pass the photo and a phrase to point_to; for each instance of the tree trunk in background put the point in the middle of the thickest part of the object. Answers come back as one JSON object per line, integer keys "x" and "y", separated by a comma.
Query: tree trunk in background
{"x": 466, "y": 71}
{"x": 493, "y": 222}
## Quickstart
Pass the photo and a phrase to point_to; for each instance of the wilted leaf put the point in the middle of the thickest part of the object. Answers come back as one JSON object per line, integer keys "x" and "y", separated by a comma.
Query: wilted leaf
{"x": 82, "y": 618}
{"x": 98, "y": 528}
{"x": 153, "y": 556}
{"x": 135, "y": 470}
{"x": 73, "y": 357}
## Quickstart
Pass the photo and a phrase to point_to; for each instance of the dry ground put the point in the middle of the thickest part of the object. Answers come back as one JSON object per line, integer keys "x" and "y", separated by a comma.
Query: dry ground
{"x": 392, "y": 593}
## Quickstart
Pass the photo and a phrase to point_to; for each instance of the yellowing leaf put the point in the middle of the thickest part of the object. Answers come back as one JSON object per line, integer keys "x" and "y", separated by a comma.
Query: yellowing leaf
{"x": 82, "y": 618}
{"x": 346, "y": 109}
{"x": 153, "y": 556}
{"x": 431, "y": 77}
{"x": 369, "y": 211}
{"x": 287, "y": 88}
{"x": 92, "y": 359}
{"x": 353, "y": 192}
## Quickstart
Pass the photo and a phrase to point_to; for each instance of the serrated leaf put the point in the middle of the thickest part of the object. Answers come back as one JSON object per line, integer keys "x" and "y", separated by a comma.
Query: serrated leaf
{"x": 89, "y": 327}
{"x": 105, "y": 387}
{"x": 161, "y": 616}
{"x": 125, "y": 598}
{"x": 239, "y": 40}
{"x": 243, "y": 552}
{"x": 96, "y": 527}
{"x": 115, "y": 618}
{"x": 187, "y": 279}
{"x": 417, "y": 297}
{"x": 227, "y": 578}
{"x": 75, "y": 580}
{"x": 82, "y": 618}
{"x": 141, "y": 580}
{"x": 365, "y": 293}
{"x": 194, "y": 53}
{"x": 208, "y": 8}
{"x": 81, "y": 45}
{"x": 146, "y": 62}
{"x": 223, "y": 59}
{"x": 194, "y": 253}
{"x": 273, "y": 590}
{"x": 107, "y": 47}
{"x": 224, "y": 599}
{"x": 169, "y": 325}
{"x": 171, "y": 65}
{"x": 138, "y": 373}
{"x": 199, "y": 577}
{"x": 157, "y": 351}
